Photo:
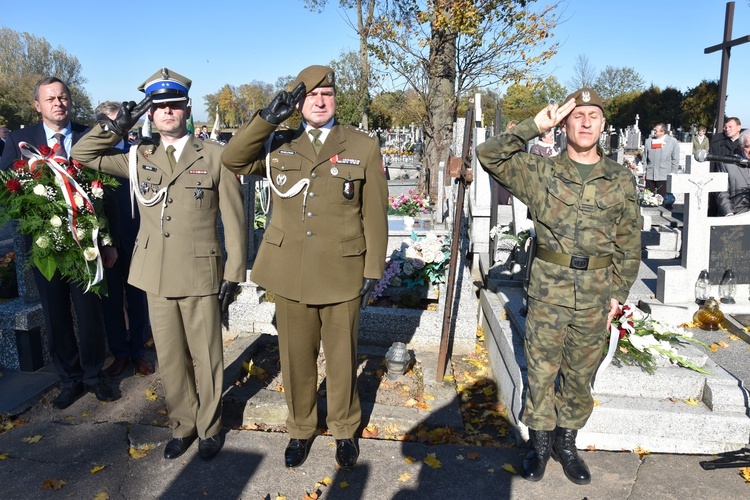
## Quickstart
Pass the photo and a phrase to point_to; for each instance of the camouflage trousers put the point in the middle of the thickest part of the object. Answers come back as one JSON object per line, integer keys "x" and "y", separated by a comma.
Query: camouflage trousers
{"x": 569, "y": 343}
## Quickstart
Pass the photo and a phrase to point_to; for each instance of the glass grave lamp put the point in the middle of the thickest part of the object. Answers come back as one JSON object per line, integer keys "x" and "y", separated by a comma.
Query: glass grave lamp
{"x": 708, "y": 316}
{"x": 701, "y": 288}
{"x": 727, "y": 287}
{"x": 396, "y": 360}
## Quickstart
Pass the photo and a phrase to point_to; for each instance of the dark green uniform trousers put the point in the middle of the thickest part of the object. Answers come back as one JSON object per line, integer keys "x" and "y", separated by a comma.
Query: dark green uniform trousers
{"x": 301, "y": 329}
{"x": 561, "y": 340}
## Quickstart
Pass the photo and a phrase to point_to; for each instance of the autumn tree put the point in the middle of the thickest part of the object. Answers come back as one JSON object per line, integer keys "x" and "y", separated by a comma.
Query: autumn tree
{"x": 397, "y": 108}
{"x": 700, "y": 103}
{"x": 522, "y": 100}
{"x": 24, "y": 60}
{"x": 441, "y": 48}
{"x": 613, "y": 81}
{"x": 584, "y": 73}
{"x": 365, "y": 10}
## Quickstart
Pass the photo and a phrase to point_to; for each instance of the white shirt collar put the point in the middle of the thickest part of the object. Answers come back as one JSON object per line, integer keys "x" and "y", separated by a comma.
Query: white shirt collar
{"x": 178, "y": 146}
{"x": 325, "y": 130}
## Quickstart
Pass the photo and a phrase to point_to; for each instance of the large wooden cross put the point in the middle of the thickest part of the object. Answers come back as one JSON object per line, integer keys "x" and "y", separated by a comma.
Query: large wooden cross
{"x": 725, "y": 48}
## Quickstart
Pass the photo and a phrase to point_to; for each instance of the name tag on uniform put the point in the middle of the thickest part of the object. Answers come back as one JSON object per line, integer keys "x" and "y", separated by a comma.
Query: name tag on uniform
{"x": 286, "y": 152}
{"x": 149, "y": 168}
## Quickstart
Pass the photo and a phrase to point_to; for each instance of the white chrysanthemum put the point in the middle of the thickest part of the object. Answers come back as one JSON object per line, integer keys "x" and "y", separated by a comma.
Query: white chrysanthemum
{"x": 55, "y": 221}
{"x": 42, "y": 242}
{"x": 90, "y": 253}
{"x": 40, "y": 190}
{"x": 78, "y": 200}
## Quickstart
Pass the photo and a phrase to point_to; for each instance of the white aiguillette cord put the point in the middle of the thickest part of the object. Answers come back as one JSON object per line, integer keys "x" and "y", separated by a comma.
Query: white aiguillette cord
{"x": 135, "y": 192}
{"x": 294, "y": 190}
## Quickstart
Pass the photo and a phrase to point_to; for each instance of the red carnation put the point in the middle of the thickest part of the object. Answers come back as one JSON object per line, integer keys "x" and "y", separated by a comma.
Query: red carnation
{"x": 13, "y": 185}
{"x": 45, "y": 150}
{"x": 19, "y": 165}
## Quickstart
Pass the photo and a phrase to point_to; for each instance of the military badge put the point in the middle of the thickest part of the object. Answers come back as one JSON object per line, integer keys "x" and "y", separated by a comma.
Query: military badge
{"x": 348, "y": 190}
{"x": 154, "y": 188}
{"x": 585, "y": 96}
{"x": 198, "y": 194}
{"x": 349, "y": 161}
{"x": 334, "y": 171}
{"x": 198, "y": 172}
{"x": 144, "y": 187}
{"x": 281, "y": 179}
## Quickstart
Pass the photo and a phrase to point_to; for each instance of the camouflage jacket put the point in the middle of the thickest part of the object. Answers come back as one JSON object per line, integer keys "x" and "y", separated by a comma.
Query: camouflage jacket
{"x": 592, "y": 218}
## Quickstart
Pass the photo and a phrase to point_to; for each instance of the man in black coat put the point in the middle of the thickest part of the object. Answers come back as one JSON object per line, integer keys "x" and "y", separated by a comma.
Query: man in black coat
{"x": 78, "y": 363}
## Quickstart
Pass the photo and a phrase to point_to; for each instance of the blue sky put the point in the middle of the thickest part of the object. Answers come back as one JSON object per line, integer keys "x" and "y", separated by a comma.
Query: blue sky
{"x": 120, "y": 44}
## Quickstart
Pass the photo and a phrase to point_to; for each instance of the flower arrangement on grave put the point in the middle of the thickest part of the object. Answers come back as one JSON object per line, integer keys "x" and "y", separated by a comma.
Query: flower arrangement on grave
{"x": 60, "y": 204}
{"x": 8, "y": 270}
{"x": 420, "y": 261}
{"x": 506, "y": 238}
{"x": 410, "y": 204}
{"x": 649, "y": 199}
{"x": 642, "y": 340}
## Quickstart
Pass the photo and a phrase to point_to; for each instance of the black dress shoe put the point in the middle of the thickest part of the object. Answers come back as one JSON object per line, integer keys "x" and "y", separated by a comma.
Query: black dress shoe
{"x": 117, "y": 367}
{"x": 142, "y": 366}
{"x": 296, "y": 452}
{"x": 347, "y": 453}
{"x": 208, "y": 448}
{"x": 178, "y": 446}
{"x": 102, "y": 391}
{"x": 68, "y": 396}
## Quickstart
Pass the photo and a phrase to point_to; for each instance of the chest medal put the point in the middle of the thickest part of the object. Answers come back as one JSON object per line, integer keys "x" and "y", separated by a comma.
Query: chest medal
{"x": 281, "y": 179}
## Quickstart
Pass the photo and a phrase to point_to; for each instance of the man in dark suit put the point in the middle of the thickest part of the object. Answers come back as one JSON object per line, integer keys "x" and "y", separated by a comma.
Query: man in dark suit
{"x": 78, "y": 363}
{"x": 323, "y": 251}
{"x": 3, "y": 134}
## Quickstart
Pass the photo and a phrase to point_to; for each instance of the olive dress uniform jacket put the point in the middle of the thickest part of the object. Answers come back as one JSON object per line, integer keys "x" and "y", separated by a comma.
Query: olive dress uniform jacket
{"x": 316, "y": 251}
{"x": 178, "y": 254}
{"x": 595, "y": 217}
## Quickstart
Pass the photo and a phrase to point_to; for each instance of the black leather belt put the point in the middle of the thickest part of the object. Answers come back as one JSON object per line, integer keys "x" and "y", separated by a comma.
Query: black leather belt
{"x": 573, "y": 261}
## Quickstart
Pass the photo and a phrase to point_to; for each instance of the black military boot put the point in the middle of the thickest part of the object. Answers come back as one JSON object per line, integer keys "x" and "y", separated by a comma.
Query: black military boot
{"x": 565, "y": 452}
{"x": 535, "y": 462}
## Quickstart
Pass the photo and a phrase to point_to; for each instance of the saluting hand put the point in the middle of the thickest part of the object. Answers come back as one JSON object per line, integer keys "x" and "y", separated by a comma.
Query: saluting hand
{"x": 553, "y": 114}
{"x": 282, "y": 106}
{"x": 128, "y": 115}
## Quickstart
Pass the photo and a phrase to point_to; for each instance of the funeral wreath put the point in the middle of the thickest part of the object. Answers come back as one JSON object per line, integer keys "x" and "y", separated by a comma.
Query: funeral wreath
{"x": 60, "y": 205}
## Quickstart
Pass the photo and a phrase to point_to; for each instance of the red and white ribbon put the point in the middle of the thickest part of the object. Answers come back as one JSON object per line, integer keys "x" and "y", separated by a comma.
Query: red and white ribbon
{"x": 69, "y": 188}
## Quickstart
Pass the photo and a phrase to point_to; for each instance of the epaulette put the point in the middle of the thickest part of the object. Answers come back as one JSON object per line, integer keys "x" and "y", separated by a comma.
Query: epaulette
{"x": 371, "y": 133}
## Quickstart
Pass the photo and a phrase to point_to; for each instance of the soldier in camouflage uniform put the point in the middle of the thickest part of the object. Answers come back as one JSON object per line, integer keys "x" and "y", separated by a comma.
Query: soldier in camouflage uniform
{"x": 587, "y": 221}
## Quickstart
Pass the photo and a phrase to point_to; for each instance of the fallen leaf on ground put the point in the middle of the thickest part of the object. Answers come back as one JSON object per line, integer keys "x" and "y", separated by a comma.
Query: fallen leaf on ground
{"x": 459, "y": 457}
{"x": 472, "y": 455}
{"x": 102, "y": 495}
{"x": 97, "y": 468}
{"x": 370, "y": 431}
{"x": 404, "y": 477}
{"x": 325, "y": 482}
{"x": 713, "y": 347}
{"x": 343, "y": 484}
{"x": 691, "y": 401}
{"x": 641, "y": 452}
{"x": 280, "y": 497}
{"x": 722, "y": 343}
{"x": 3, "y": 456}
{"x": 432, "y": 461}
{"x": 53, "y": 484}
{"x": 410, "y": 460}
{"x": 732, "y": 336}
{"x": 591, "y": 447}
{"x": 140, "y": 452}
{"x": 745, "y": 473}
{"x": 310, "y": 496}
{"x": 491, "y": 471}
{"x": 33, "y": 439}
{"x": 673, "y": 399}
{"x": 509, "y": 468}
{"x": 151, "y": 395}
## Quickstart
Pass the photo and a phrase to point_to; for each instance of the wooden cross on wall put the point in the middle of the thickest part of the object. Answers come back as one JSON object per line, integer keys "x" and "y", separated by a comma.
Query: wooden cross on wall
{"x": 725, "y": 48}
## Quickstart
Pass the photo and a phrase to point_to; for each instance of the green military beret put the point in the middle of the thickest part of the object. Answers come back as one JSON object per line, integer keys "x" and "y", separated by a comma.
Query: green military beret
{"x": 586, "y": 97}
{"x": 166, "y": 86}
{"x": 314, "y": 77}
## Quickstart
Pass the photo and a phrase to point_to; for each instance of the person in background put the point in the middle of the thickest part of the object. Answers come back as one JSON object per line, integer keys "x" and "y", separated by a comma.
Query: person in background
{"x": 4, "y": 131}
{"x": 661, "y": 157}
{"x": 546, "y": 146}
{"x": 180, "y": 187}
{"x": 587, "y": 222}
{"x": 700, "y": 141}
{"x": 126, "y": 337}
{"x": 323, "y": 251}
{"x": 78, "y": 359}
{"x": 736, "y": 199}
{"x": 724, "y": 144}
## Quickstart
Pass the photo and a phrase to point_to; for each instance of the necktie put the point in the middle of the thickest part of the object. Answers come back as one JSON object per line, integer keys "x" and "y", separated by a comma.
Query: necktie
{"x": 315, "y": 133}
{"x": 170, "y": 157}
{"x": 61, "y": 141}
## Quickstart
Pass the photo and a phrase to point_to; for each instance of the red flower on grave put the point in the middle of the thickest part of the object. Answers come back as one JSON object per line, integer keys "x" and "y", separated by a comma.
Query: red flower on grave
{"x": 13, "y": 185}
{"x": 45, "y": 150}
{"x": 19, "y": 165}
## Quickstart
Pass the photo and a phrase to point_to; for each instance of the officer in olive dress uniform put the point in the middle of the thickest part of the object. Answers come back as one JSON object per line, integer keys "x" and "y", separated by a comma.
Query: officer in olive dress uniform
{"x": 180, "y": 186}
{"x": 587, "y": 221}
{"x": 323, "y": 251}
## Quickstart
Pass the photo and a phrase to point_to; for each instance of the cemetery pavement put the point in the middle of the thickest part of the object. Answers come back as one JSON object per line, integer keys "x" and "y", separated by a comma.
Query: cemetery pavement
{"x": 115, "y": 451}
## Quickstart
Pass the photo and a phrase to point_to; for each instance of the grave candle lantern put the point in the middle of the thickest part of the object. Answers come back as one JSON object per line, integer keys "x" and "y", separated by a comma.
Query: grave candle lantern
{"x": 701, "y": 288}
{"x": 727, "y": 287}
{"x": 396, "y": 360}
